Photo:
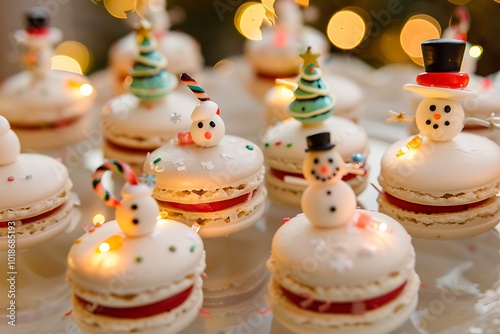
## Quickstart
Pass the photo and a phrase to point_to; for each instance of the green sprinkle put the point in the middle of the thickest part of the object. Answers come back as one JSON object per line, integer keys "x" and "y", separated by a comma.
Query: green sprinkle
{"x": 249, "y": 147}
{"x": 192, "y": 249}
{"x": 157, "y": 160}
{"x": 138, "y": 259}
{"x": 289, "y": 145}
{"x": 266, "y": 144}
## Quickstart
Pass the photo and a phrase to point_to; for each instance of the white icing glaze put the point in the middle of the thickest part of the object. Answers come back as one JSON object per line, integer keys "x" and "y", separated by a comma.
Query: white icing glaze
{"x": 335, "y": 258}
{"x": 440, "y": 119}
{"x": 141, "y": 264}
{"x": 347, "y": 136}
{"x": 36, "y": 178}
{"x": 138, "y": 211}
{"x": 231, "y": 162}
{"x": 10, "y": 147}
{"x": 129, "y": 123}
{"x": 53, "y": 98}
{"x": 467, "y": 162}
{"x": 208, "y": 128}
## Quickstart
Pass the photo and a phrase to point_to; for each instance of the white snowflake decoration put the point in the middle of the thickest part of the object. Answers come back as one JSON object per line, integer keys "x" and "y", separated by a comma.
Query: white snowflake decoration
{"x": 340, "y": 263}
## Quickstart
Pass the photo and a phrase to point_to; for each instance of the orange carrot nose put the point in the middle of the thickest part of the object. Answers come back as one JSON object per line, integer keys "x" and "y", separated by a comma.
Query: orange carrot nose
{"x": 436, "y": 116}
{"x": 208, "y": 135}
{"x": 324, "y": 170}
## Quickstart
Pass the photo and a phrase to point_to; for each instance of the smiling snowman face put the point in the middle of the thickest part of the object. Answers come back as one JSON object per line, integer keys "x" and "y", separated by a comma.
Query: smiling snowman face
{"x": 138, "y": 211}
{"x": 323, "y": 168}
{"x": 440, "y": 119}
{"x": 207, "y": 128}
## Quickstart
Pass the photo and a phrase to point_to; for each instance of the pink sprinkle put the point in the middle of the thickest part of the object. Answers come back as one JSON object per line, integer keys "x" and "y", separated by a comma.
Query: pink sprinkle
{"x": 267, "y": 310}
{"x": 67, "y": 314}
{"x": 286, "y": 220}
{"x": 10, "y": 178}
{"x": 422, "y": 285}
{"x": 204, "y": 313}
{"x": 204, "y": 276}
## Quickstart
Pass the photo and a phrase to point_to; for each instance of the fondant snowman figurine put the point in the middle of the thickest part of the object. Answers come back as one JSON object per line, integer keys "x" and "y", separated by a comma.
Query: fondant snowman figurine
{"x": 327, "y": 201}
{"x": 38, "y": 40}
{"x": 10, "y": 148}
{"x": 440, "y": 116}
{"x": 207, "y": 128}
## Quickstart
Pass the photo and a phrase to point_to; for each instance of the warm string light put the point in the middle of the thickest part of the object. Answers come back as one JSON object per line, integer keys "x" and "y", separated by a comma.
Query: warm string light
{"x": 86, "y": 90}
{"x": 475, "y": 51}
{"x": 414, "y": 143}
{"x": 98, "y": 219}
{"x": 110, "y": 244}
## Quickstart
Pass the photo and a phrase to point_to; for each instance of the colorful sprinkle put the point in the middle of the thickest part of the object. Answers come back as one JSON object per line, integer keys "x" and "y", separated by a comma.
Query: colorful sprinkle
{"x": 422, "y": 285}
{"x": 172, "y": 249}
{"x": 204, "y": 275}
{"x": 204, "y": 313}
{"x": 67, "y": 314}
{"x": 181, "y": 168}
{"x": 266, "y": 145}
{"x": 249, "y": 147}
{"x": 286, "y": 220}
{"x": 207, "y": 164}
{"x": 138, "y": 259}
{"x": 149, "y": 179}
{"x": 149, "y": 107}
{"x": 157, "y": 160}
{"x": 265, "y": 311}
{"x": 289, "y": 145}
{"x": 278, "y": 143}
{"x": 77, "y": 241}
{"x": 92, "y": 229}
{"x": 29, "y": 177}
{"x": 192, "y": 248}
{"x": 10, "y": 178}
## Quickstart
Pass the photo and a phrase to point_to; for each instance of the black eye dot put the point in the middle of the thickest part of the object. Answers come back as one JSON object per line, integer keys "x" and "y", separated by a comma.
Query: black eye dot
{"x": 212, "y": 124}
{"x": 172, "y": 249}
{"x": 330, "y": 160}
{"x": 135, "y": 221}
{"x": 447, "y": 109}
{"x": 432, "y": 107}
{"x": 134, "y": 206}
{"x": 328, "y": 192}
{"x": 333, "y": 209}
{"x": 435, "y": 126}
{"x": 313, "y": 172}
{"x": 446, "y": 123}
{"x": 428, "y": 122}
{"x": 200, "y": 124}
{"x": 316, "y": 160}
{"x": 303, "y": 109}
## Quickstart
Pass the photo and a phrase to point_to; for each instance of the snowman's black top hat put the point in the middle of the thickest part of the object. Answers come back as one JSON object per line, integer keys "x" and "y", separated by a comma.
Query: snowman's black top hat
{"x": 443, "y": 55}
{"x": 319, "y": 142}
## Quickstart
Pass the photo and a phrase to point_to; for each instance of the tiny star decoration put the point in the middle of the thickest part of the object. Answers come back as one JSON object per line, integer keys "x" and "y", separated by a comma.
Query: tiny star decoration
{"x": 310, "y": 57}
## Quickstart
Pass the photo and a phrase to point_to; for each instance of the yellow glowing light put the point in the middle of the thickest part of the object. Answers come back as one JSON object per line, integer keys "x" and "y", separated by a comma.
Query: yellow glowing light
{"x": 382, "y": 227}
{"x": 65, "y": 63}
{"x": 98, "y": 219}
{"x": 86, "y": 90}
{"x": 75, "y": 50}
{"x": 119, "y": 8}
{"x": 416, "y": 30}
{"x": 303, "y": 3}
{"x": 346, "y": 29}
{"x": 475, "y": 51}
{"x": 285, "y": 92}
{"x": 110, "y": 244}
{"x": 249, "y": 18}
{"x": 415, "y": 142}
{"x": 390, "y": 46}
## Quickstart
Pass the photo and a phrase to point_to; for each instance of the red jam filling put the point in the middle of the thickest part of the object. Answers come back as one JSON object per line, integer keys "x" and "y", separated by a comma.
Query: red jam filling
{"x": 443, "y": 80}
{"x": 281, "y": 175}
{"x": 344, "y": 307}
{"x": 212, "y": 206}
{"x": 162, "y": 306}
{"x": 56, "y": 125}
{"x": 429, "y": 209}
{"x": 34, "y": 218}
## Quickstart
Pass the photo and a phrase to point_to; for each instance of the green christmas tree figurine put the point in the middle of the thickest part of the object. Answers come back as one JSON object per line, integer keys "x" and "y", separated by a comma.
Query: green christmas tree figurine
{"x": 150, "y": 79}
{"x": 312, "y": 103}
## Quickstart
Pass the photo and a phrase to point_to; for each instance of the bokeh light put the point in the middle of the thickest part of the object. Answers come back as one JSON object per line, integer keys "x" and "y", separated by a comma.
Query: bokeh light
{"x": 391, "y": 47}
{"x": 346, "y": 29}
{"x": 249, "y": 18}
{"x": 119, "y": 8}
{"x": 98, "y": 219}
{"x": 475, "y": 51}
{"x": 303, "y": 3}
{"x": 416, "y": 30}
{"x": 65, "y": 63}
{"x": 86, "y": 90}
{"x": 77, "y": 51}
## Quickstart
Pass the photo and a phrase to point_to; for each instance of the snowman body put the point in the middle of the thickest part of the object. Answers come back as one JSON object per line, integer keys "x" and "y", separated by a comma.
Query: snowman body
{"x": 440, "y": 119}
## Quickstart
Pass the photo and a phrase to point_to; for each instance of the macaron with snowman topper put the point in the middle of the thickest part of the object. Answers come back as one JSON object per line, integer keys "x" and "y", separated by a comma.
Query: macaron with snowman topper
{"x": 335, "y": 267}
{"x": 35, "y": 195}
{"x": 442, "y": 183}
{"x": 207, "y": 177}
{"x": 156, "y": 265}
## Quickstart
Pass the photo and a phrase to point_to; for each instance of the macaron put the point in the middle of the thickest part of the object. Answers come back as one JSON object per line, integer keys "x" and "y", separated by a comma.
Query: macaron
{"x": 138, "y": 273}
{"x": 206, "y": 177}
{"x": 35, "y": 201}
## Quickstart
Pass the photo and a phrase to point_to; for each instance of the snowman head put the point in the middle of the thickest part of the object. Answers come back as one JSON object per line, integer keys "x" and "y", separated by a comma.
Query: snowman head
{"x": 440, "y": 119}
{"x": 10, "y": 148}
{"x": 323, "y": 165}
{"x": 138, "y": 211}
{"x": 207, "y": 127}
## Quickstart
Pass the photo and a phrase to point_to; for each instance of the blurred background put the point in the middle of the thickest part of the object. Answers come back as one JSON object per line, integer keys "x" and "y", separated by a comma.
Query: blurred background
{"x": 212, "y": 22}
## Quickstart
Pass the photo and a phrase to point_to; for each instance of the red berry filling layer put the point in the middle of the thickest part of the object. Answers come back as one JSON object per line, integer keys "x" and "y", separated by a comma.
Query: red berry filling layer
{"x": 429, "y": 209}
{"x": 162, "y": 306}
{"x": 34, "y": 218}
{"x": 281, "y": 175}
{"x": 343, "y": 307}
{"x": 212, "y": 206}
